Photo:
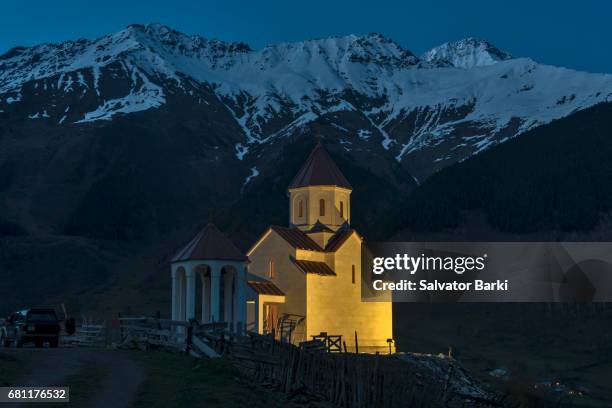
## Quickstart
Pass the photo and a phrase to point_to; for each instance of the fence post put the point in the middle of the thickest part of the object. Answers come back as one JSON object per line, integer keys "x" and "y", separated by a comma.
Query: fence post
{"x": 239, "y": 331}
{"x": 189, "y": 338}
{"x": 158, "y": 316}
{"x": 120, "y": 326}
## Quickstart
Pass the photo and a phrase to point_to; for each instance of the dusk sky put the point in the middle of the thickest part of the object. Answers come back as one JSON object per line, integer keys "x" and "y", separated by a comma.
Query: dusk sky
{"x": 565, "y": 33}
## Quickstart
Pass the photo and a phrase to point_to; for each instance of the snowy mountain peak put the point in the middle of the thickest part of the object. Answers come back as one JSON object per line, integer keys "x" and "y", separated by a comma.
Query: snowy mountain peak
{"x": 370, "y": 48}
{"x": 180, "y": 42}
{"x": 467, "y": 53}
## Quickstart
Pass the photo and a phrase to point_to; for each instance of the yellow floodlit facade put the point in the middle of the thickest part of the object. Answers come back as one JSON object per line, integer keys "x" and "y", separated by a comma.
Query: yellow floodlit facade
{"x": 311, "y": 270}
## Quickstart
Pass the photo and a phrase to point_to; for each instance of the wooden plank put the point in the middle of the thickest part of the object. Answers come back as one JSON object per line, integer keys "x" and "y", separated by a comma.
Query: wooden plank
{"x": 154, "y": 320}
{"x": 213, "y": 326}
{"x": 137, "y": 328}
{"x": 204, "y": 348}
{"x": 171, "y": 344}
{"x": 90, "y": 332}
{"x": 172, "y": 322}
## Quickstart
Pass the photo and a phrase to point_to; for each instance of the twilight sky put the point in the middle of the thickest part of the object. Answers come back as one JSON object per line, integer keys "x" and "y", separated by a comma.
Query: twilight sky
{"x": 566, "y": 33}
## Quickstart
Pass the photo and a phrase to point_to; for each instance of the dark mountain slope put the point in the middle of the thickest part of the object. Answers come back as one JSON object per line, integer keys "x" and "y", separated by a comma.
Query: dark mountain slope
{"x": 90, "y": 217}
{"x": 265, "y": 203}
{"x": 555, "y": 177}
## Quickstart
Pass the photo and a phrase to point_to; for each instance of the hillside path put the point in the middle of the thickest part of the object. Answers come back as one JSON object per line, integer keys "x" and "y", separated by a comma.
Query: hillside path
{"x": 119, "y": 384}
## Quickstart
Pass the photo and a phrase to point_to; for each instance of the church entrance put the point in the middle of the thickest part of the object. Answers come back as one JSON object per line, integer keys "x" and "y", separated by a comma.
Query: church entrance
{"x": 270, "y": 317}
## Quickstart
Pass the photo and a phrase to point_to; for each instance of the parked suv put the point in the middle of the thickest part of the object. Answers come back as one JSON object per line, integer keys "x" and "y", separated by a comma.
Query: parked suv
{"x": 30, "y": 326}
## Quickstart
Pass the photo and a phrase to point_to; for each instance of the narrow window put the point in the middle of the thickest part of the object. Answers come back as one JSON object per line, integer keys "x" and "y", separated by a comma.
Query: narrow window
{"x": 353, "y": 274}
{"x": 341, "y": 209}
{"x": 322, "y": 207}
{"x": 301, "y": 209}
{"x": 271, "y": 269}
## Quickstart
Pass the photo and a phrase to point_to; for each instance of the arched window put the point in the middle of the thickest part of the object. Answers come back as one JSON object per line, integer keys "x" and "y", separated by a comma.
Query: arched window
{"x": 341, "y": 209}
{"x": 301, "y": 209}
{"x": 322, "y": 207}
{"x": 271, "y": 269}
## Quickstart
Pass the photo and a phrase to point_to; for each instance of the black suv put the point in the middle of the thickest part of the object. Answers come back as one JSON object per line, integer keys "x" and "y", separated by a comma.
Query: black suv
{"x": 30, "y": 326}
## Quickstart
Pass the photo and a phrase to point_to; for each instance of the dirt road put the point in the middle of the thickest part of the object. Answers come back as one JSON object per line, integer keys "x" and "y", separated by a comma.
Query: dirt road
{"x": 119, "y": 376}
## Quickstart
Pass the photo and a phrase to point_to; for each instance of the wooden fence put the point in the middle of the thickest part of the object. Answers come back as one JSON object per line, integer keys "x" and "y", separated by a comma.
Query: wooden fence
{"x": 144, "y": 332}
{"x": 354, "y": 380}
{"x": 153, "y": 332}
{"x": 314, "y": 373}
{"x": 86, "y": 335}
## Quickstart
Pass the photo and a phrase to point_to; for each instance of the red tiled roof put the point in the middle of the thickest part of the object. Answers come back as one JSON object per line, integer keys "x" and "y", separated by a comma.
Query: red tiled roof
{"x": 265, "y": 288}
{"x": 209, "y": 243}
{"x": 296, "y": 238}
{"x": 319, "y": 170}
{"x": 319, "y": 227}
{"x": 318, "y": 268}
{"x": 338, "y": 239}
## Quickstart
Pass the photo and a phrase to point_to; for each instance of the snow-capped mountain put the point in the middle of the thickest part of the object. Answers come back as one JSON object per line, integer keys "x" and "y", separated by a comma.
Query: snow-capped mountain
{"x": 455, "y": 101}
{"x": 467, "y": 53}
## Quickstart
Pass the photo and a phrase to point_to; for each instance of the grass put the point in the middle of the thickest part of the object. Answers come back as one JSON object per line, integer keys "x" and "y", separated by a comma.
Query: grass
{"x": 175, "y": 380}
{"x": 10, "y": 370}
{"x": 85, "y": 383}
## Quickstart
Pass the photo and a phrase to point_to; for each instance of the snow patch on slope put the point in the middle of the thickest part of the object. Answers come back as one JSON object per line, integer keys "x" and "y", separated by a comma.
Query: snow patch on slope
{"x": 254, "y": 173}
{"x": 146, "y": 96}
{"x": 39, "y": 115}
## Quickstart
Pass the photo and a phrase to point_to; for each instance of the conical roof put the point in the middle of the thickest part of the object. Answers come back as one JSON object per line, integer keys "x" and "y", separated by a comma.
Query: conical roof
{"x": 319, "y": 170}
{"x": 209, "y": 244}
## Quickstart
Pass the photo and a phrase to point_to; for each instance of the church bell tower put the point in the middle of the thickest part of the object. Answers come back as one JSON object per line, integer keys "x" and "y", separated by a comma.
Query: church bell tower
{"x": 319, "y": 197}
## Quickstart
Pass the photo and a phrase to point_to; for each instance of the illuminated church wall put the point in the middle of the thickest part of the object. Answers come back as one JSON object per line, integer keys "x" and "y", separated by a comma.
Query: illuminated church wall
{"x": 288, "y": 277}
{"x": 335, "y": 306}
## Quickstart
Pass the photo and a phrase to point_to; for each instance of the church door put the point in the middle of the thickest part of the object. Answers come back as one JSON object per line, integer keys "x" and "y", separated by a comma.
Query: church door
{"x": 270, "y": 317}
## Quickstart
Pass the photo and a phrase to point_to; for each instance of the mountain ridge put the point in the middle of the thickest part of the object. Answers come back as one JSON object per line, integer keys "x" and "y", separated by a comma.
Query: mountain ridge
{"x": 455, "y": 101}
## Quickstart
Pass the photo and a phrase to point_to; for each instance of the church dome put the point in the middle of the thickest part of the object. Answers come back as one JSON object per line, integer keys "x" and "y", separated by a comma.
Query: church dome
{"x": 209, "y": 244}
{"x": 319, "y": 170}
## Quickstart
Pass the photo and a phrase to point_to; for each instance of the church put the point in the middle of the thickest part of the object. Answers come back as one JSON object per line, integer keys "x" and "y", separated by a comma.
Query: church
{"x": 296, "y": 281}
